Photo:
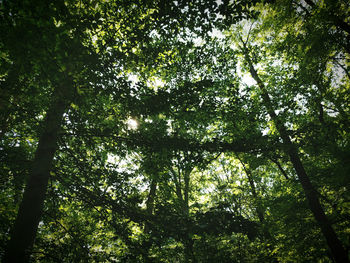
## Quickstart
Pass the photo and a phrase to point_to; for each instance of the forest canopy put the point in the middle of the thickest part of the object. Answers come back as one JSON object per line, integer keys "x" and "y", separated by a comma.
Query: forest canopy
{"x": 174, "y": 131}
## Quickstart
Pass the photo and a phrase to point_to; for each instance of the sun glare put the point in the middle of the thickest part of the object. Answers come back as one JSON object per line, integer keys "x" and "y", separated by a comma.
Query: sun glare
{"x": 132, "y": 124}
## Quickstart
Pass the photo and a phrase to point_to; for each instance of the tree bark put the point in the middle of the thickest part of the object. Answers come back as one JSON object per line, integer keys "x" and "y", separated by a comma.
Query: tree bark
{"x": 150, "y": 202}
{"x": 336, "y": 247}
{"x": 188, "y": 243}
{"x": 258, "y": 209}
{"x": 147, "y": 243}
{"x": 283, "y": 172}
{"x": 23, "y": 232}
{"x": 182, "y": 192}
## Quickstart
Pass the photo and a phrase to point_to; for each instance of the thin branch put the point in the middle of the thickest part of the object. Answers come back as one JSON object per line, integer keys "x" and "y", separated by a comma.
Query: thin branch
{"x": 250, "y": 28}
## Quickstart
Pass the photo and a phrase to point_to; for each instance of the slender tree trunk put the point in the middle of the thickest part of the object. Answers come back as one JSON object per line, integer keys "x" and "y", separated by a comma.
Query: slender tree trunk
{"x": 189, "y": 257}
{"x": 249, "y": 174}
{"x": 182, "y": 192}
{"x": 150, "y": 202}
{"x": 283, "y": 172}
{"x": 147, "y": 243}
{"x": 336, "y": 247}
{"x": 259, "y": 210}
{"x": 23, "y": 232}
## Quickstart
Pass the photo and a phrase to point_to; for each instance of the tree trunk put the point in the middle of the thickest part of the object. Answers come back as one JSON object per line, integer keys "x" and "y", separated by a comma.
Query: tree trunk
{"x": 23, "y": 232}
{"x": 260, "y": 211}
{"x": 189, "y": 242}
{"x": 336, "y": 247}
{"x": 283, "y": 172}
{"x": 150, "y": 202}
{"x": 249, "y": 174}
{"x": 147, "y": 243}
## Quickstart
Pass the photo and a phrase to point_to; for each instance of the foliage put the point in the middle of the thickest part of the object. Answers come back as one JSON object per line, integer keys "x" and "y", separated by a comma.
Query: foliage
{"x": 167, "y": 150}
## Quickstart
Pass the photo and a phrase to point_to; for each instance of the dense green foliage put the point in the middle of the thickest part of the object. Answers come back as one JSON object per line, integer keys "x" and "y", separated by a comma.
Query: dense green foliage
{"x": 180, "y": 131}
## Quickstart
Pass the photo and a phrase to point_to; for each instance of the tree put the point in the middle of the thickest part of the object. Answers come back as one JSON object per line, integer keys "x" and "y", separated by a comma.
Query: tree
{"x": 334, "y": 243}
{"x": 339, "y": 253}
{"x": 152, "y": 131}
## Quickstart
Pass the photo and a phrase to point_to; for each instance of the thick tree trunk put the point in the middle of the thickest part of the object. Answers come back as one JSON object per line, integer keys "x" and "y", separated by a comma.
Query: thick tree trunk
{"x": 336, "y": 247}
{"x": 24, "y": 230}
